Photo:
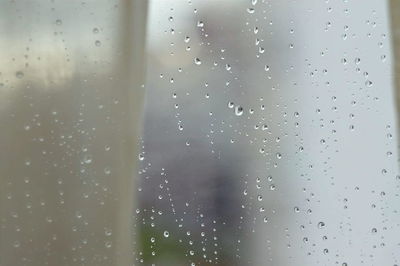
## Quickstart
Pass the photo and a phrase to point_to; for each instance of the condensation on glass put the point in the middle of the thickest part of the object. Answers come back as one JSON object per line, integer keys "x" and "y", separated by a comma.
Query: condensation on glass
{"x": 269, "y": 138}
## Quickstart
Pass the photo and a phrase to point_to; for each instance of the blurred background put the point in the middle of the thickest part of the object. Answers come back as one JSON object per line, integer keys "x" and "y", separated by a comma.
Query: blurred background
{"x": 163, "y": 132}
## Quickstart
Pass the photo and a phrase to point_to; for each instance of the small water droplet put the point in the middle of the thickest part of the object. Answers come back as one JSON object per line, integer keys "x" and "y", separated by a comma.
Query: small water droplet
{"x": 87, "y": 159}
{"x": 321, "y": 225}
{"x": 107, "y": 231}
{"x": 197, "y": 61}
{"x": 107, "y": 171}
{"x": 166, "y": 234}
{"x": 19, "y": 74}
{"x": 238, "y": 110}
{"x": 141, "y": 156}
{"x": 17, "y": 244}
{"x": 250, "y": 10}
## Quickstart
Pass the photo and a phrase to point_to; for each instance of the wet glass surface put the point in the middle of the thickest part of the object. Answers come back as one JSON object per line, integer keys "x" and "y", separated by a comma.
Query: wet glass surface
{"x": 217, "y": 133}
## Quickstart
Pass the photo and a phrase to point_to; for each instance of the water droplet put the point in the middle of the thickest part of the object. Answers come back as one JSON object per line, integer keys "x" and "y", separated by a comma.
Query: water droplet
{"x": 321, "y": 225}
{"x": 95, "y": 30}
{"x": 97, "y": 43}
{"x": 19, "y": 74}
{"x": 250, "y": 10}
{"x": 58, "y": 22}
{"x": 17, "y": 244}
{"x": 197, "y": 61}
{"x": 238, "y": 110}
{"x": 87, "y": 159}
{"x": 78, "y": 214}
{"x": 166, "y": 234}
{"x": 141, "y": 156}
{"x": 107, "y": 171}
{"x": 107, "y": 231}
